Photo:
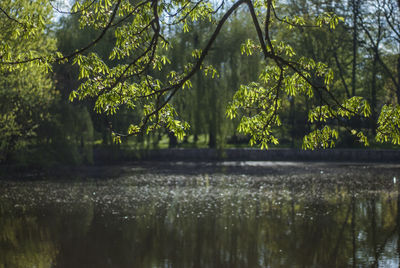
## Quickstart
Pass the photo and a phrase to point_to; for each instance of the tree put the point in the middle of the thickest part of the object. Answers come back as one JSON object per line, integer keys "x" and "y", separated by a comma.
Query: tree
{"x": 204, "y": 105}
{"x": 135, "y": 79}
{"x": 382, "y": 32}
{"x": 26, "y": 91}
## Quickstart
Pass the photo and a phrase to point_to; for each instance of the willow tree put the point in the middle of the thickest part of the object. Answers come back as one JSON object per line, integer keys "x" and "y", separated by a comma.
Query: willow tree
{"x": 135, "y": 79}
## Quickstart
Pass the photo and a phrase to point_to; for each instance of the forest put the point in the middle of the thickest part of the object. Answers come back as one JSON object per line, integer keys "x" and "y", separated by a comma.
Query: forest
{"x": 110, "y": 75}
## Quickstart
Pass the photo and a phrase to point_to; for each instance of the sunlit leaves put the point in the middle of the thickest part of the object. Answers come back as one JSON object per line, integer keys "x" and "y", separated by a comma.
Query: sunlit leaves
{"x": 349, "y": 108}
{"x": 138, "y": 75}
{"x": 282, "y": 48}
{"x": 21, "y": 35}
{"x": 295, "y": 84}
{"x": 132, "y": 129}
{"x": 210, "y": 70}
{"x": 320, "y": 114}
{"x": 187, "y": 84}
{"x": 190, "y": 11}
{"x": 248, "y": 47}
{"x": 362, "y": 138}
{"x": 389, "y": 124}
{"x": 72, "y": 95}
{"x": 320, "y": 138}
{"x": 26, "y": 90}
{"x": 196, "y": 53}
{"x": 159, "y": 61}
{"x": 95, "y": 13}
{"x": 185, "y": 28}
{"x": 116, "y": 138}
{"x": 354, "y": 105}
{"x": 328, "y": 18}
{"x": 261, "y": 102}
{"x": 167, "y": 117}
{"x": 294, "y": 21}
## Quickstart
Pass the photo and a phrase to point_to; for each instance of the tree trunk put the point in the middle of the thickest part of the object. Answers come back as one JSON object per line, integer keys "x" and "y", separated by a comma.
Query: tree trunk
{"x": 373, "y": 93}
{"x": 398, "y": 216}
{"x": 292, "y": 122}
{"x": 173, "y": 142}
{"x": 353, "y": 230}
{"x": 212, "y": 143}
{"x": 10, "y": 147}
{"x": 213, "y": 117}
{"x": 355, "y": 4}
{"x": 398, "y": 78}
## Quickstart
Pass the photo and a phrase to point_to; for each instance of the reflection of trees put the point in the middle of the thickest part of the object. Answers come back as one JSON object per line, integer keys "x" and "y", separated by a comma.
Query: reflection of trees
{"x": 200, "y": 226}
{"x": 42, "y": 236}
{"x": 377, "y": 220}
{"x": 398, "y": 222}
{"x": 23, "y": 242}
{"x": 69, "y": 226}
{"x": 240, "y": 231}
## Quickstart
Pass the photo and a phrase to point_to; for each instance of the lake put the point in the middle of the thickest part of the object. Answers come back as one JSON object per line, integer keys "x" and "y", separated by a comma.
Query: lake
{"x": 227, "y": 214}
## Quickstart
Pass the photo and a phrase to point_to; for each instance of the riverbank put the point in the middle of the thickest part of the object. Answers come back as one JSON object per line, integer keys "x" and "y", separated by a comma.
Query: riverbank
{"x": 110, "y": 163}
{"x": 251, "y": 154}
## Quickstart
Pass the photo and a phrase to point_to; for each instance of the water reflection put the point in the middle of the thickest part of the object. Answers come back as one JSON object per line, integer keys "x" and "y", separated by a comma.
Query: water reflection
{"x": 337, "y": 218}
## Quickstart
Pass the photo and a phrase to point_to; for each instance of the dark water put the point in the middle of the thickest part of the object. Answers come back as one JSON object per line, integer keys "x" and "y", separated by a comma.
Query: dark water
{"x": 186, "y": 215}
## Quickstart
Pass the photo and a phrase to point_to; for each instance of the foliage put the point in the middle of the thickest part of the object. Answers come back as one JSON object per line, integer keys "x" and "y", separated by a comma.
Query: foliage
{"x": 143, "y": 71}
{"x": 26, "y": 91}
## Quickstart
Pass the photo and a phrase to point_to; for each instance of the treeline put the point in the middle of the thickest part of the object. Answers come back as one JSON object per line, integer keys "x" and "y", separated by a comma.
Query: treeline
{"x": 39, "y": 124}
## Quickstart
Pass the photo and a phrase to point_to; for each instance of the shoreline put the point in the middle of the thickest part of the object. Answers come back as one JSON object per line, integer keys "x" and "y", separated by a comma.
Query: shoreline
{"x": 250, "y": 154}
{"x": 109, "y": 164}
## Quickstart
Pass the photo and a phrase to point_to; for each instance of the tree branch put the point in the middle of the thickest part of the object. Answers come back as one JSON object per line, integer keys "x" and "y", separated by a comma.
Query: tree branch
{"x": 258, "y": 29}
{"x": 175, "y": 87}
{"x": 108, "y": 26}
{"x": 12, "y": 19}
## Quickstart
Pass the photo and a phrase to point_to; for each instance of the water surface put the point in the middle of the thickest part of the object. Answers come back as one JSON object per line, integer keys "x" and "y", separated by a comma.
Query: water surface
{"x": 233, "y": 214}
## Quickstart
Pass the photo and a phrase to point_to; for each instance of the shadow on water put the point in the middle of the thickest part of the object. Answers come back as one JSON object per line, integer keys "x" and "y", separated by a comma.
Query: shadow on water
{"x": 232, "y": 214}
